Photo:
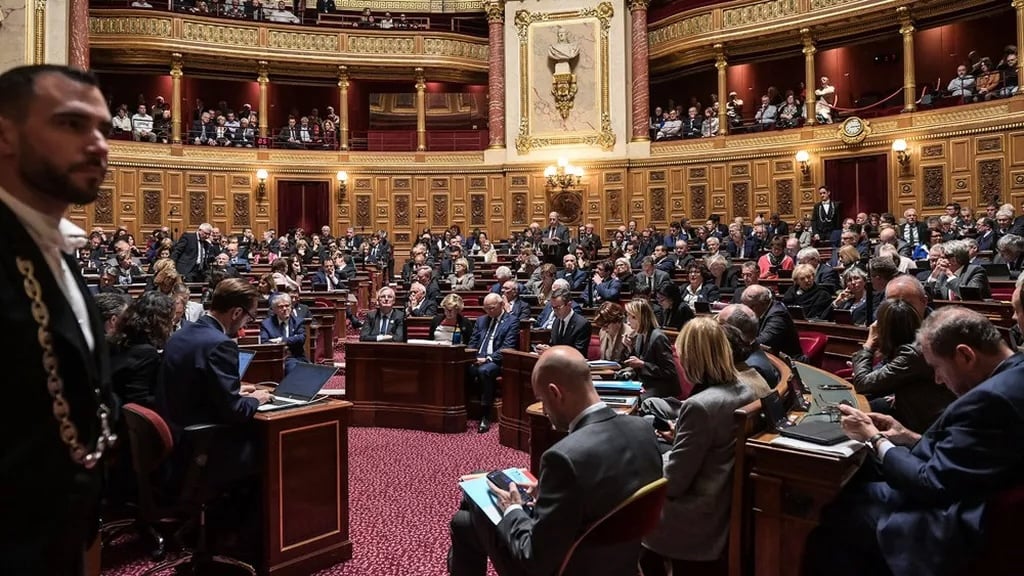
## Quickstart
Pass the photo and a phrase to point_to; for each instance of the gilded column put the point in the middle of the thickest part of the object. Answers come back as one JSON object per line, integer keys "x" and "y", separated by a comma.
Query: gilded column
{"x": 641, "y": 81}
{"x": 78, "y": 34}
{"x": 809, "y": 80}
{"x": 176, "y": 103}
{"x": 421, "y": 111}
{"x": 39, "y": 31}
{"x": 909, "y": 83}
{"x": 721, "y": 64}
{"x": 263, "y": 69}
{"x": 1019, "y": 6}
{"x": 343, "y": 107}
{"x": 495, "y": 72}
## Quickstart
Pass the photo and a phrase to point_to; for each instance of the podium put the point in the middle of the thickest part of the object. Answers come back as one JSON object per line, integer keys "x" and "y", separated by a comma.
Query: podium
{"x": 413, "y": 386}
{"x": 516, "y": 396}
{"x": 304, "y": 487}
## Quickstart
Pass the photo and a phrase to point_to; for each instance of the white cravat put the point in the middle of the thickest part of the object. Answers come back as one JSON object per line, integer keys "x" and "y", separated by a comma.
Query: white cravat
{"x": 52, "y": 238}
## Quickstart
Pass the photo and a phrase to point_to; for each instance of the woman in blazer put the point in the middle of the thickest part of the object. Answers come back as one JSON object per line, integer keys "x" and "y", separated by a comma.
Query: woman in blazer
{"x": 450, "y": 320}
{"x": 462, "y": 280}
{"x": 648, "y": 352}
{"x": 672, "y": 312}
{"x": 609, "y": 319}
{"x": 140, "y": 333}
{"x": 694, "y": 524}
{"x": 813, "y": 299}
{"x": 901, "y": 371}
{"x": 699, "y": 287}
{"x": 722, "y": 275}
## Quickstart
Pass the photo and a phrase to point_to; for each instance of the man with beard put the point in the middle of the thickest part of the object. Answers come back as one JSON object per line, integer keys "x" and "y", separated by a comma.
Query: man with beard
{"x": 53, "y": 153}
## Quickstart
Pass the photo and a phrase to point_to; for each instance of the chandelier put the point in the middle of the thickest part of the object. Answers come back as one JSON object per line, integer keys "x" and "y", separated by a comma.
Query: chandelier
{"x": 564, "y": 175}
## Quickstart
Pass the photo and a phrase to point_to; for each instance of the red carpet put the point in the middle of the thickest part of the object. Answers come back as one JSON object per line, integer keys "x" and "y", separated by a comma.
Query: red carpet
{"x": 403, "y": 491}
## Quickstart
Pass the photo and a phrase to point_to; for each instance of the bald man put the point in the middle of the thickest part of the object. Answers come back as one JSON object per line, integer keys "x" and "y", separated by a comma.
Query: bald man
{"x": 603, "y": 460}
{"x": 745, "y": 320}
{"x": 911, "y": 290}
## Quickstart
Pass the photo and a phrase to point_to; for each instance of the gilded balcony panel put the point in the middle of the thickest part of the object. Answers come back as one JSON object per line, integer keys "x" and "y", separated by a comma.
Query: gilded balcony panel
{"x": 303, "y": 41}
{"x": 137, "y": 26}
{"x": 384, "y": 45}
{"x": 219, "y": 34}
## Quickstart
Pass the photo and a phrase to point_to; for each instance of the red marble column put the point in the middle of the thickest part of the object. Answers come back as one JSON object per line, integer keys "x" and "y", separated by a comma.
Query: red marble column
{"x": 78, "y": 34}
{"x": 496, "y": 72}
{"x": 641, "y": 81}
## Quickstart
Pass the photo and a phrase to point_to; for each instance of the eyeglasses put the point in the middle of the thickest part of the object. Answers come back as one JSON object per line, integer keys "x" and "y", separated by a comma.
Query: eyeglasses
{"x": 250, "y": 315}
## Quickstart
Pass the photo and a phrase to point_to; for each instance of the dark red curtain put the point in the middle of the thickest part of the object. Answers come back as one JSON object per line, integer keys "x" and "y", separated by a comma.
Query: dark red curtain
{"x": 303, "y": 204}
{"x": 861, "y": 183}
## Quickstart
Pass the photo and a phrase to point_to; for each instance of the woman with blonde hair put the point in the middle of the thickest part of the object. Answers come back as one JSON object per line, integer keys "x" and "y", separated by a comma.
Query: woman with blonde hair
{"x": 610, "y": 320}
{"x": 450, "y": 322}
{"x": 164, "y": 277}
{"x": 541, "y": 287}
{"x": 462, "y": 279}
{"x": 694, "y": 524}
{"x": 648, "y": 352}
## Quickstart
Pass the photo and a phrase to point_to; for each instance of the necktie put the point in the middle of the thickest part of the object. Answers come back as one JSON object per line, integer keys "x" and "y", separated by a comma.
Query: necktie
{"x": 199, "y": 251}
{"x": 489, "y": 340}
{"x": 384, "y": 325}
{"x": 552, "y": 233}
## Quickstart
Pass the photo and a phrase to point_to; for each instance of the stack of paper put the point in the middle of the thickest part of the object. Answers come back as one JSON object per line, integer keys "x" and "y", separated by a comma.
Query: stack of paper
{"x": 603, "y": 364}
{"x": 844, "y": 449}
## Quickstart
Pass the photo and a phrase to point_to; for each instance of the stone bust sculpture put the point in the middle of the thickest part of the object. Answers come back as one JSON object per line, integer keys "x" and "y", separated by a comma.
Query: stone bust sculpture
{"x": 563, "y": 51}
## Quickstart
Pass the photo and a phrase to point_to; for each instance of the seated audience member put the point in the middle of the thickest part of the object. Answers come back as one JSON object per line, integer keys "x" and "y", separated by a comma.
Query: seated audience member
{"x": 199, "y": 381}
{"x": 540, "y": 286}
{"x": 245, "y": 136}
{"x": 546, "y": 318}
{"x": 855, "y": 297}
{"x": 125, "y": 272}
{"x": 846, "y": 257}
{"x": 813, "y": 299}
{"x": 624, "y": 272}
{"x": 987, "y": 83}
{"x": 775, "y": 326}
{"x": 282, "y": 327}
{"x": 745, "y": 320}
{"x": 767, "y": 115}
{"x": 576, "y": 277}
{"x": 739, "y": 246}
{"x": 955, "y": 271}
{"x": 327, "y": 278}
{"x": 672, "y": 313}
{"x": 671, "y": 128}
{"x": 602, "y": 461}
{"x": 419, "y": 304}
{"x": 881, "y": 271}
{"x": 749, "y": 276}
{"x": 569, "y": 327}
{"x": 605, "y": 285}
{"x": 648, "y": 352}
{"x": 925, "y": 510}
{"x": 692, "y": 124}
{"x": 610, "y": 319}
{"x": 111, "y": 306}
{"x": 774, "y": 260}
{"x": 280, "y": 269}
{"x": 790, "y": 113}
{"x": 694, "y": 526}
{"x": 495, "y": 331}
{"x": 962, "y": 84}
{"x": 903, "y": 264}
{"x": 139, "y": 335}
{"x": 709, "y": 127}
{"x": 649, "y": 281}
{"x": 891, "y": 371}
{"x": 1010, "y": 250}
{"x": 747, "y": 375}
{"x": 450, "y": 321}
{"x": 221, "y": 264}
{"x": 699, "y": 287}
{"x": 385, "y": 324}
{"x": 142, "y": 125}
{"x": 513, "y": 304}
{"x": 462, "y": 279}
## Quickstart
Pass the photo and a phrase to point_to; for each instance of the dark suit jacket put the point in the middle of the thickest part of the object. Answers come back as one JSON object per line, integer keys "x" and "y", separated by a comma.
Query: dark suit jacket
{"x": 823, "y": 223}
{"x": 674, "y": 319}
{"x": 577, "y": 333}
{"x": 781, "y": 230}
{"x": 561, "y": 233}
{"x": 936, "y": 493}
{"x": 577, "y": 280}
{"x": 521, "y": 310}
{"x": 778, "y": 332}
{"x": 970, "y": 275}
{"x": 658, "y": 373}
{"x": 506, "y": 335}
{"x": 185, "y": 252}
{"x": 372, "y": 325}
{"x": 608, "y": 291}
{"x": 986, "y": 241}
{"x": 826, "y": 277}
{"x": 320, "y": 279}
{"x": 49, "y": 503}
{"x": 643, "y": 283}
{"x": 134, "y": 370}
{"x": 426, "y": 307}
{"x": 922, "y": 232}
{"x": 750, "y": 251}
{"x": 270, "y": 328}
{"x": 708, "y": 292}
{"x": 582, "y": 478}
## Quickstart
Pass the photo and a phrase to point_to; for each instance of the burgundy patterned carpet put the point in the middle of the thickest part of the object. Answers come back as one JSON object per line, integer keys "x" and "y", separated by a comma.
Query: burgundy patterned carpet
{"x": 403, "y": 491}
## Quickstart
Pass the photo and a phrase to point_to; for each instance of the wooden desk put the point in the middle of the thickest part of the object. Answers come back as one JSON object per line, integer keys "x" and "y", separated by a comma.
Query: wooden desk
{"x": 268, "y": 364}
{"x": 516, "y": 396}
{"x": 416, "y": 386}
{"x": 304, "y": 487}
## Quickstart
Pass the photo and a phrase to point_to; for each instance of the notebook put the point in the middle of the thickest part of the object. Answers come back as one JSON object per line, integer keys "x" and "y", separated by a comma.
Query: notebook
{"x": 244, "y": 359}
{"x": 300, "y": 386}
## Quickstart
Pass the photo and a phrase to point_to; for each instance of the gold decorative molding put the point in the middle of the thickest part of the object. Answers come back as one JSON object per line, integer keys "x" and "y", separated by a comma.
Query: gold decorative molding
{"x": 454, "y": 48}
{"x": 381, "y": 45}
{"x": 958, "y": 116}
{"x": 700, "y": 24}
{"x": 822, "y": 4}
{"x": 760, "y": 13}
{"x": 495, "y": 10}
{"x": 635, "y": 5}
{"x": 220, "y": 34}
{"x": 763, "y": 141}
{"x": 137, "y": 26}
{"x": 302, "y": 41}
{"x": 603, "y": 138}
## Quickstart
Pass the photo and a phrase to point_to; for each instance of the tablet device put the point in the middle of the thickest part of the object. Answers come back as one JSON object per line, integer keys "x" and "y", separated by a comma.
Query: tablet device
{"x": 824, "y": 433}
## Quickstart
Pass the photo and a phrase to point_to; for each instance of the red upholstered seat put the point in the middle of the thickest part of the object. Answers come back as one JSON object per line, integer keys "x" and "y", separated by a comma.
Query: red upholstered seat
{"x": 813, "y": 345}
{"x": 1001, "y": 552}
{"x": 145, "y": 425}
{"x": 594, "y": 350}
{"x": 685, "y": 386}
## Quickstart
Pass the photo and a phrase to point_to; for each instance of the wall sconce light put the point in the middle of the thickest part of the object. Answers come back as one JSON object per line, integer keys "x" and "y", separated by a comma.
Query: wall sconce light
{"x": 261, "y": 184}
{"x": 899, "y": 146}
{"x": 342, "y": 178}
{"x": 803, "y": 158}
{"x": 564, "y": 176}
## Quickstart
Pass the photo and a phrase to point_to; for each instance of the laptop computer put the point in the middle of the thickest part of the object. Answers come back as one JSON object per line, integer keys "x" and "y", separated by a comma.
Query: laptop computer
{"x": 300, "y": 386}
{"x": 840, "y": 316}
{"x": 244, "y": 359}
{"x": 817, "y": 432}
{"x": 702, "y": 307}
{"x": 970, "y": 294}
{"x": 996, "y": 270}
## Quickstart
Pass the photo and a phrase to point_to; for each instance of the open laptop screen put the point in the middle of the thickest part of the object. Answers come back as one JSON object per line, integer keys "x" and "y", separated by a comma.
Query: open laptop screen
{"x": 304, "y": 381}
{"x": 244, "y": 359}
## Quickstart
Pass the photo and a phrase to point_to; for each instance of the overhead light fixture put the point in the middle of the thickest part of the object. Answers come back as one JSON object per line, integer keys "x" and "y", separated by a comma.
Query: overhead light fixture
{"x": 261, "y": 186}
{"x": 563, "y": 176}
{"x": 803, "y": 157}
{"x": 342, "y": 178}
{"x": 899, "y": 146}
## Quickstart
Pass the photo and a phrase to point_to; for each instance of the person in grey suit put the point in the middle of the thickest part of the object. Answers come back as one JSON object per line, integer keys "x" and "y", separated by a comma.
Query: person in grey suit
{"x": 604, "y": 459}
{"x": 650, "y": 280}
{"x": 954, "y": 272}
{"x": 569, "y": 327}
{"x": 694, "y": 523}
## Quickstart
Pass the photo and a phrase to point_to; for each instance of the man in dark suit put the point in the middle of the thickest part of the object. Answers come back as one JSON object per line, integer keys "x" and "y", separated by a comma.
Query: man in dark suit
{"x": 826, "y": 215}
{"x": 191, "y": 253}
{"x": 425, "y": 276}
{"x": 745, "y": 320}
{"x": 418, "y": 304}
{"x": 775, "y": 326}
{"x": 494, "y": 331}
{"x": 327, "y": 278}
{"x": 912, "y": 231}
{"x": 221, "y": 264}
{"x": 568, "y": 328}
{"x": 663, "y": 260}
{"x": 888, "y": 235}
{"x": 740, "y": 246}
{"x": 385, "y": 324}
{"x": 51, "y": 484}
{"x": 776, "y": 227}
{"x": 572, "y": 274}
{"x": 199, "y": 382}
{"x": 602, "y": 461}
{"x": 650, "y": 280}
{"x": 953, "y": 272}
{"x": 590, "y": 241}
{"x": 986, "y": 235}
{"x": 284, "y": 327}
{"x": 555, "y": 240}
{"x": 925, "y": 513}
{"x": 515, "y": 305}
